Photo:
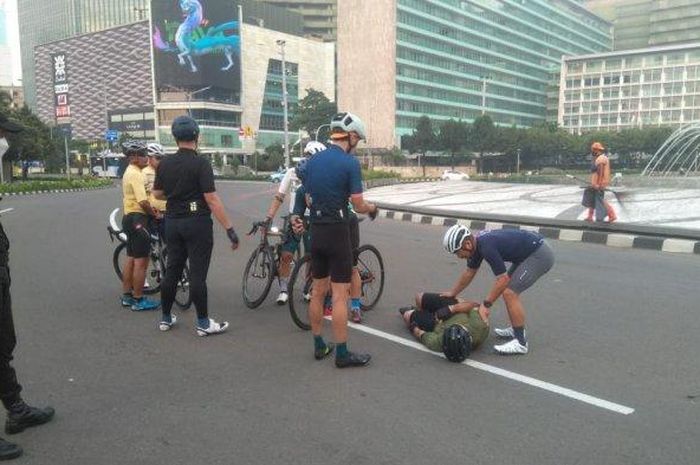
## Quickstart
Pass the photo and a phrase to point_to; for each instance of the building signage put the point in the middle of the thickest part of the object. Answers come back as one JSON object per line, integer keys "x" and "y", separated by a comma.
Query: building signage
{"x": 59, "y": 66}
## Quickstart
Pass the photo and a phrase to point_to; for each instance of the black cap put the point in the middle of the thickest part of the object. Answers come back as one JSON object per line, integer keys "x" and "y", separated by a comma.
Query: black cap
{"x": 8, "y": 125}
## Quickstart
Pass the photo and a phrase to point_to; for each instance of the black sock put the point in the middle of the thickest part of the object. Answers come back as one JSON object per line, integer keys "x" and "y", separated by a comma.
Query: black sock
{"x": 519, "y": 333}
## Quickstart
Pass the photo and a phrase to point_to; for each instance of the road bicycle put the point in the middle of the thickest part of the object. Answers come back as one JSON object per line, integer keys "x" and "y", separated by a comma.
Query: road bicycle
{"x": 155, "y": 273}
{"x": 371, "y": 267}
{"x": 263, "y": 265}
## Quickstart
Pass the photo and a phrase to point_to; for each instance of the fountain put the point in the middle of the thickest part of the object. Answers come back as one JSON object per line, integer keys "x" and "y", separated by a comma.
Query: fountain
{"x": 679, "y": 155}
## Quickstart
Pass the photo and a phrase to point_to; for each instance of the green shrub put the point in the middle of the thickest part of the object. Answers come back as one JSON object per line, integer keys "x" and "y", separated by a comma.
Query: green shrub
{"x": 378, "y": 174}
{"x": 49, "y": 185}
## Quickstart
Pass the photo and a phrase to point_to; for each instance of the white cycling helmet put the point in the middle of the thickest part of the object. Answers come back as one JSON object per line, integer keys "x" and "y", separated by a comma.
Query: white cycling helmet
{"x": 454, "y": 238}
{"x": 313, "y": 147}
{"x": 155, "y": 150}
{"x": 344, "y": 123}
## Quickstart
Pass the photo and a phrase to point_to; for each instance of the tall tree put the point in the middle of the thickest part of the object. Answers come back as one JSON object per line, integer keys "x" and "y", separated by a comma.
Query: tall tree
{"x": 423, "y": 138}
{"x": 314, "y": 110}
{"x": 483, "y": 137}
{"x": 453, "y": 137}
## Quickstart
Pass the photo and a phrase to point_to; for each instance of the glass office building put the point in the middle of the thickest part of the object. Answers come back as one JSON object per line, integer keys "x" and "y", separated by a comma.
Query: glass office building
{"x": 44, "y": 21}
{"x": 461, "y": 58}
{"x": 658, "y": 86}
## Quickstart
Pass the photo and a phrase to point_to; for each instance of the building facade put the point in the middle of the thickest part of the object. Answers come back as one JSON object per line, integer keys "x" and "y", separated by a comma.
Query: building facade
{"x": 657, "y": 86}
{"x": 319, "y": 15}
{"x": 451, "y": 59}
{"x": 44, "y": 21}
{"x": 644, "y": 23}
{"x": 102, "y": 93}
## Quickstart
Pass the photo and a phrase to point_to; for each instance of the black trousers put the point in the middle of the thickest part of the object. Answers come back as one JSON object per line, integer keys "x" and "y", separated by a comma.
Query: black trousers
{"x": 9, "y": 387}
{"x": 188, "y": 239}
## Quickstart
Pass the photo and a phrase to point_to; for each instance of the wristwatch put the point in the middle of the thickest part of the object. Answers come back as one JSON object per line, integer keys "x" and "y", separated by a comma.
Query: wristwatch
{"x": 487, "y": 303}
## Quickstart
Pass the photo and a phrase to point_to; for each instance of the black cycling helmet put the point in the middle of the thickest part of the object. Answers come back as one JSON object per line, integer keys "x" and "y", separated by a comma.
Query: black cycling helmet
{"x": 456, "y": 343}
{"x": 300, "y": 170}
{"x": 134, "y": 147}
{"x": 185, "y": 129}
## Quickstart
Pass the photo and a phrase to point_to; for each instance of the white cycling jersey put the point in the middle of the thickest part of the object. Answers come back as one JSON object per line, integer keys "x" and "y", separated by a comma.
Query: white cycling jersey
{"x": 289, "y": 185}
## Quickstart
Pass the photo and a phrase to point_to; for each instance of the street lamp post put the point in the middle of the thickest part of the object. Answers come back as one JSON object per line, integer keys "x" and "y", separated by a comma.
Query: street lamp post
{"x": 518, "y": 164}
{"x": 189, "y": 98}
{"x": 318, "y": 129}
{"x": 285, "y": 104}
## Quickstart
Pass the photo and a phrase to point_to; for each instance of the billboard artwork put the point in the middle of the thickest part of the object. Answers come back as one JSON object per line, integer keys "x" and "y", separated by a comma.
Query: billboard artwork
{"x": 197, "y": 43}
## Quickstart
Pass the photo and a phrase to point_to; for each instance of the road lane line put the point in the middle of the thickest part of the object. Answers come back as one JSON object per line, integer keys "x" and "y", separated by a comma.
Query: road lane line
{"x": 554, "y": 388}
{"x": 7, "y": 210}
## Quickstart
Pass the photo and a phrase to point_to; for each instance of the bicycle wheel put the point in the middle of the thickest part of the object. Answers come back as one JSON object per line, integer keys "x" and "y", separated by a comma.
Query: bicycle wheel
{"x": 300, "y": 293}
{"x": 371, "y": 268}
{"x": 153, "y": 274}
{"x": 183, "y": 299}
{"x": 258, "y": 276}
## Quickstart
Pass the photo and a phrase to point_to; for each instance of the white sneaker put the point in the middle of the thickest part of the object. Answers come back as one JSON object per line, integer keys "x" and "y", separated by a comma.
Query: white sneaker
{"x": 165, "y": 326}
{"x": 512, "y": 347}
{"x": 214, "y": 328}
{"x": 505, "y": 333}
{"x": 307, "y": 297}
{"x": 282, "y": 298}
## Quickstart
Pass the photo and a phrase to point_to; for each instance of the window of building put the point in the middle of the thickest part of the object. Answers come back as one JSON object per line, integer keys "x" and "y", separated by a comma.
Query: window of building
{"x": 613, "y": 64}
{"x": 593, "y": 66}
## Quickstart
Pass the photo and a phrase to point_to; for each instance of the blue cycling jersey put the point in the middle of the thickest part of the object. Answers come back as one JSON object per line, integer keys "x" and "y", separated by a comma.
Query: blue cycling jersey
{"x": 332, "y": 176}
{"x": 503, "y": 245}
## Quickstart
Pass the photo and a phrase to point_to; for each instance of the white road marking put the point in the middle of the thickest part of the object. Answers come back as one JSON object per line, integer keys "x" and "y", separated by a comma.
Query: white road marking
{"x": 6, "y": 210}
{"x": 554, "y": 388}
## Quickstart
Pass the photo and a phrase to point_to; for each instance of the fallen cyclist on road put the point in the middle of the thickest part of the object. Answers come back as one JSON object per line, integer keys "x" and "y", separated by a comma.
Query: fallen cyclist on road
{"x": 446, "y": 324}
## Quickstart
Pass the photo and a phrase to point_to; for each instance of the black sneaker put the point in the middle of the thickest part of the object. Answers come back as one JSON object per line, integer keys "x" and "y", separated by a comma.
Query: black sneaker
{"x": 403, "y": 310}
{"x": 352, "y": 360}
{"x": 30, "y": 416}
{"x": 9, "y": 451}
{"x": 320, "y": 354}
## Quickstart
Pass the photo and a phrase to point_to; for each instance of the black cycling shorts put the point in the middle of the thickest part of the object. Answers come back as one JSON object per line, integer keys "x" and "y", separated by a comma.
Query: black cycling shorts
{"x": 432, "y": 302}
{"x": 331, "y": 254}
{"x": 354, "y": 237}
{"x": 138, "y": 238}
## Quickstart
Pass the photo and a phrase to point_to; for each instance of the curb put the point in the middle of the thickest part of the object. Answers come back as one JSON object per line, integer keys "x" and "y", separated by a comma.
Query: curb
{"x": 391, "y": 181}
{"x": 53, "y": 191}
{"x": 610, "y": 239}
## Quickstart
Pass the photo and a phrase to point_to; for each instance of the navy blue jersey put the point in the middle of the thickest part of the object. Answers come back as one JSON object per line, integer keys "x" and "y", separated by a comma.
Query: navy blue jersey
{"x": 503, "y": 245}
{"x": 332, "y": 176}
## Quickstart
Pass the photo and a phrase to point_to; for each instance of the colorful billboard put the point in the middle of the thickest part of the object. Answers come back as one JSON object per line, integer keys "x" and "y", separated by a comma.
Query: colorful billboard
{"x": 197, "y": 44}
{"x": 59, "y": 63}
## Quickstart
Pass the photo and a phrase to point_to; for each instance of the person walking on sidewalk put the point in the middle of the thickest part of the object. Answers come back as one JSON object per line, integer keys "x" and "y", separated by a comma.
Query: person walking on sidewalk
{"x": 186, "y": 180}
{"x": 530, "y": 259}
{"x": 20, "y": 416}
{"x": 137, "y": 211}
{"x": 600, "y": 181}
{"x": 331, "y": 178}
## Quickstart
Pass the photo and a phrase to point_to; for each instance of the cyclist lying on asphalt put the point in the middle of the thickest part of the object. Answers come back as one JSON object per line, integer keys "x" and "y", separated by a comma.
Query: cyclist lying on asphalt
{"x": 446, "y": 324}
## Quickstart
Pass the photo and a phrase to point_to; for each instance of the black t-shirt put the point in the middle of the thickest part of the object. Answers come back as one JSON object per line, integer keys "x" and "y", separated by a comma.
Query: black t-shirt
{"x": 184, "y": 178}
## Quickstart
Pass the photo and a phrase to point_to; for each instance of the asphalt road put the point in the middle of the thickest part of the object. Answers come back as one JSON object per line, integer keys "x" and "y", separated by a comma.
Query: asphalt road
{"x": 618, "y": 324}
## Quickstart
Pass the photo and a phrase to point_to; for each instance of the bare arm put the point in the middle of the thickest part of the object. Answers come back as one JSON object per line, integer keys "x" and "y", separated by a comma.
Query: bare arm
{"x": 146, "y": 205}
{"x": 277, "y": 202}
{"x": 360, "y": 205}
{"x": 217, "y": 208}
{"x": 464, "y": 280}
{"x": 498, "y": 287}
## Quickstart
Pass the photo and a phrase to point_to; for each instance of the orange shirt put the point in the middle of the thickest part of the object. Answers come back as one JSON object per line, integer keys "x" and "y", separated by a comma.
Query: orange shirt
{"x": 602, "y": 174}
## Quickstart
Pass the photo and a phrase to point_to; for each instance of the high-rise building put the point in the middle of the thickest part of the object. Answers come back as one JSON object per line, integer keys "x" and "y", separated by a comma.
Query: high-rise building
{"x": 43, "y": 21}
{"x": 644, "y": 23}
{"x": 5, "y": 51}
{"x": 400, "y": 59}
{"x": 319, "y": 15}
{"x": 656, "y": 86}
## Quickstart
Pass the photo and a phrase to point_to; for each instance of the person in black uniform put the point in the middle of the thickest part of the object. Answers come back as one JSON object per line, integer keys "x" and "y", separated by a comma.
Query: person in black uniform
{"x": 186, "y": 180}
{"x": 20, "y": 416}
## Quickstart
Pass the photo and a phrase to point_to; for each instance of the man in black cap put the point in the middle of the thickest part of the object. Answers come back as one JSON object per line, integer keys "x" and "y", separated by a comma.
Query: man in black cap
{"x": 186, "y": 181}
{"x": 19, "y": 415}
